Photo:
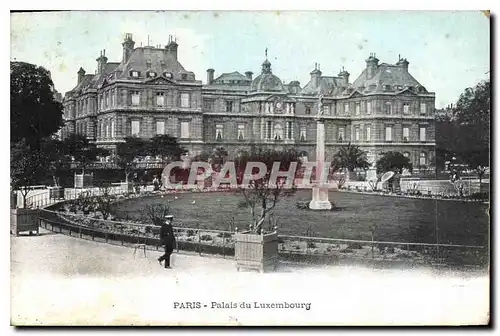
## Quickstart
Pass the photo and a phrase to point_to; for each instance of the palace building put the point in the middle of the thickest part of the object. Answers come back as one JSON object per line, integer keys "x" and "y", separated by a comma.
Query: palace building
{"x": 149, "y": 92}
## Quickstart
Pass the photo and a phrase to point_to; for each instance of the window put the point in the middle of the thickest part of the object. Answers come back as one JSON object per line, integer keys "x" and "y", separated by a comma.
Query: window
{"x": 358, "y": 108}
{"x": 341, "y": 135}
{"x": 288, "y": 108}
{"x": 151, "y": 74}
{"x": 278, "y": 132}
{"x": 241, "y": 132}
{"x": 218, "y": 132}
{"x": 406, "y": 154}
{"x": 184, "y": 129}
{"x": 108, "y": 130}
{"x": 368, "y": 107}
{"x": 388, "y": 133}
{"x": 136, "y": 127}
{"x": 423, "y": 159}
{"x": 303, "y": 133}
{"x": 134, "y": 73}
{"x": 167, "y": 75}
{"x": 388, "y": 108}
{"x": 112, "y": 128}
{"x": 103, "y": 134}
{"x": 289, "y": 130}
{"x": 160, "y": 99}
{"x": 328, "y": 109}
{"x": 113, "y": 98}
{"x": 160, "y": 127}
{"x": 422, "y": 133}
{"x": 356, "y": 132}
{"x": 346, "y": 108}
{"x": 269, "y": 127}
{"x": 368, "y": 133}
{"x": 406, "y": 134}
{"x": 208, "y": 104}
{"x": 229, "y": 106}
{"x": 387, "y": 87}
{"x": 308, "y": 109}
{"x": 184, "y": 76}
{"x": 406, "y": 108}
{"x": 136, "y": 98}
{"x": 184, "y": 99}
{"x": 422, "y": 108}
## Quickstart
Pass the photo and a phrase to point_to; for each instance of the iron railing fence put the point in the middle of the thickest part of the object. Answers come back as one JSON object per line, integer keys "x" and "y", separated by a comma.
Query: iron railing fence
{"x": 299, "y": 248}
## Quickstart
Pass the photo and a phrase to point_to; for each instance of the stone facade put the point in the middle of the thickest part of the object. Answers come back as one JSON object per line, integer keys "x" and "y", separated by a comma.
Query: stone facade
{"x": 149, "y": 92}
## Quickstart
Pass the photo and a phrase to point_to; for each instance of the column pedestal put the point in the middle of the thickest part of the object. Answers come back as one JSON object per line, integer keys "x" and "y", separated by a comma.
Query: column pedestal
{"x": 320, "y": 193}
{"x": 320, "y": 199}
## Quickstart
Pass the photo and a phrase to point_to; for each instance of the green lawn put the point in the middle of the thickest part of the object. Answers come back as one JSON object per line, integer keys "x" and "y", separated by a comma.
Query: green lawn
{"x": 395, "y": 219}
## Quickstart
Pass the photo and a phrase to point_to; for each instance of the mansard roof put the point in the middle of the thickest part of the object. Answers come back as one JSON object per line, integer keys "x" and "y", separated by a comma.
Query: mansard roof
{"x": 227, "y": 77}
{"x": 395, "y": 77}
{"x": 329, "y": 85}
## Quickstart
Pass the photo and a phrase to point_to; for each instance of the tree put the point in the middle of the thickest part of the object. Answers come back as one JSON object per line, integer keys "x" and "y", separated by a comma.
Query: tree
{"x": 84, "y": 153}
{"x": 472, "y": 114}
{"x": 263, "y": 194}
{"x": 393, "y": 161}
{"x": 27, "y": 167}
{"x": 157, "y": 212}
{"x": 58, "y": 160}
{"x": 218, "y": 155}
{"x": 128, "y": 152}
{"x": 350, "y": 157}
{"x": 166, "y": 147}
{"x": 447, "y": 135}
{"x": 34, "y": 113}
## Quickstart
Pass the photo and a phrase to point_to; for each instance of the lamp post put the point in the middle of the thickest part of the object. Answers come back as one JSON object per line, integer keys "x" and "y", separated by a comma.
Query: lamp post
{"x": 320, "y": 191}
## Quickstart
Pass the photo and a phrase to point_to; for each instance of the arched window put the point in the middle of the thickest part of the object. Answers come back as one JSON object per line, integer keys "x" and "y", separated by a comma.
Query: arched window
{"x": 278, "y": 132}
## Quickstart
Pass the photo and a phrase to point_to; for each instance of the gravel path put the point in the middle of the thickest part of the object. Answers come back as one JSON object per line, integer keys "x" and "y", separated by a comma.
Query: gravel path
{"x": 61, "y": 280}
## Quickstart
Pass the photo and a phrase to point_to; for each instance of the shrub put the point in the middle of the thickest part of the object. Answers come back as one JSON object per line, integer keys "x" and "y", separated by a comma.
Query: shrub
{"x": 479, "y": 195}
{"x": 224, "y": 235}
{"x": 311, "y": 245}
{"x": 354, "y": 246}
{"x": 206, "y": 237}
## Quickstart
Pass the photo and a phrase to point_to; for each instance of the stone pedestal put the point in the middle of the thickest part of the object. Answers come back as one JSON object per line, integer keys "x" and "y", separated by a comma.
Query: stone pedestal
{"x": 320, "y": 199}
{"x": 320, "y": 191}
{"x": 83, "y": 181}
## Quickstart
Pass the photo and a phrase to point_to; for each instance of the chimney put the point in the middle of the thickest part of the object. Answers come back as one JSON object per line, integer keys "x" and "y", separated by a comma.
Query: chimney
{"x": 128, "y": 47}
{"x": 81, "y": 74}
{"x": 101, "y": 62}
{"x": 249, "y": 74}
{"x": 345, "y": 77}
{"x": 171, "y": 47}
{"x": 316, "y": 75}
{"x": 402, "y": 62}
{"x": 371, "y": 65}
{"x": 210, "y": 76}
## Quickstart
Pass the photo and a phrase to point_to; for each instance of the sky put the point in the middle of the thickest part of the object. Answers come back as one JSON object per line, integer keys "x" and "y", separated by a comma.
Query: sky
{"x": 448, "y": 51}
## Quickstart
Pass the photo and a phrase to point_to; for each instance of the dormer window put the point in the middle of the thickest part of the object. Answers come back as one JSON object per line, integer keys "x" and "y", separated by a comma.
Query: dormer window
{"x": 167, "y": 74}
{"x": 184, "y": 76}
{"x": 134, "y": 73}
{"x": 388, "y": 88}
{"x": 152, "y": 74}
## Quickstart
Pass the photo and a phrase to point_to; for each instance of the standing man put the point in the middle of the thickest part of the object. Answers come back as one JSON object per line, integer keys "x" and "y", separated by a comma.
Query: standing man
{"x": 167, "y": 239}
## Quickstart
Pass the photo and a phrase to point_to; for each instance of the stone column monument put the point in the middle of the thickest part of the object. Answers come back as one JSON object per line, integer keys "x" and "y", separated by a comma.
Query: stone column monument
{"x": 320, "y": 190}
